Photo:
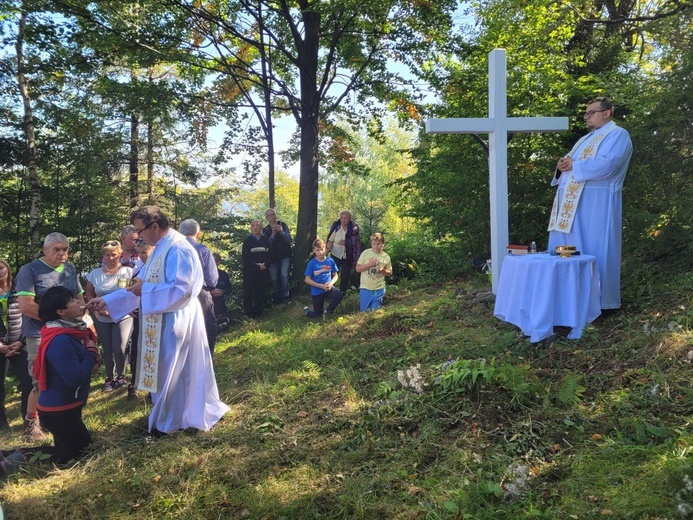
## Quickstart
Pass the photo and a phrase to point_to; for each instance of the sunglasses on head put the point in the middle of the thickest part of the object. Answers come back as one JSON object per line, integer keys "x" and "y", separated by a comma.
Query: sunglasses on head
{"x": 112, "y": 243}
{"x": 139, "y": 242}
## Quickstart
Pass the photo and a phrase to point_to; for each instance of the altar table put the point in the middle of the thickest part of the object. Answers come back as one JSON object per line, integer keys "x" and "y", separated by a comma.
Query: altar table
{"x": 536, "y": 292}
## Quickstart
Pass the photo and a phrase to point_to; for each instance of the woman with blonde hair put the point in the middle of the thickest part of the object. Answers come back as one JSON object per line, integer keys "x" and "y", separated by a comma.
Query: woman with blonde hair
{"x": 114, "y": 336}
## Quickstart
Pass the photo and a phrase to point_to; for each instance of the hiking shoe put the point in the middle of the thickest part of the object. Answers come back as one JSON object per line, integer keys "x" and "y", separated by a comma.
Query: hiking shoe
{"x": 33, "y": 431}
{"x": 108, "y": 386}
{"x": 120, "y": 381}
{"x": 132, "y": 392}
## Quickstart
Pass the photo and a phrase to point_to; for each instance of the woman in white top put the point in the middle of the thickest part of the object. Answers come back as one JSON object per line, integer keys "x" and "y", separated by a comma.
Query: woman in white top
{"x": 114, "y": 336}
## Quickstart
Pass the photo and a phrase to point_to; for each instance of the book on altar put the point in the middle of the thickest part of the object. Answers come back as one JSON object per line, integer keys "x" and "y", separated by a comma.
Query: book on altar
{"x": 517, "y": 249}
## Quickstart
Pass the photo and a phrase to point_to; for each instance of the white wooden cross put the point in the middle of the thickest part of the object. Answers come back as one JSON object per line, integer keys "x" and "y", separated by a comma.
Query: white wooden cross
{"x": 497, "y": 125}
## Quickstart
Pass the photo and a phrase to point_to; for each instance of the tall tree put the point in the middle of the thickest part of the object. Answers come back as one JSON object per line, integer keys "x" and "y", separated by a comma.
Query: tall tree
{"x": 28, "y": 127}
{"x": 327, "y": 58}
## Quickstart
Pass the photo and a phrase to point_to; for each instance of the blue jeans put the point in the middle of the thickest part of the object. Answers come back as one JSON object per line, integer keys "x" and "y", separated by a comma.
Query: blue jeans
{"x": 279, "y": 272}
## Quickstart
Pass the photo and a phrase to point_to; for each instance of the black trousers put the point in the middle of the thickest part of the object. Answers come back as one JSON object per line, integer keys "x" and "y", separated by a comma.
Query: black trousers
{"x": 207, "y": 304}
{"x": 21, "y": 369}
{"x": 254, "y": 287}
{"x": 70, "y": 435}
{"x": 344, "y": 267}
{"x": 334, "y": 296}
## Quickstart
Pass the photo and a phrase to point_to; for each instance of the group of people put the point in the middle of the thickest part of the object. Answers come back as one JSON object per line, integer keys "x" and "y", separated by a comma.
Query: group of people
{"x": 266, "y": 252}
{"x": 157, "y": 288}
{"x": 157, "y": 295}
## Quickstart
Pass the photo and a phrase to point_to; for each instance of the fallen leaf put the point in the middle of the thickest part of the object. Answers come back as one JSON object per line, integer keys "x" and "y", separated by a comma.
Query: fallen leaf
{"x": 414, "y": 490}
{"x": 554, "y": 448}
{"x": 597, "y": 437}
{"x": 606, "y": 512}
{"x": 302, "y": 414}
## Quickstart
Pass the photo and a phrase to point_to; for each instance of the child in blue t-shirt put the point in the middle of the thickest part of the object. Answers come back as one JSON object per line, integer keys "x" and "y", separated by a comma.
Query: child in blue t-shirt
{"x": 321, "y": 274}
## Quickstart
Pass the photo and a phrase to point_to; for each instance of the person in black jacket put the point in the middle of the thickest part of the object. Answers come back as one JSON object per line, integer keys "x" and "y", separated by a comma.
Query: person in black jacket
{"x": 279, "y": 236}
{"x": 219, "y": 293}
{"x": 255, "y": 252}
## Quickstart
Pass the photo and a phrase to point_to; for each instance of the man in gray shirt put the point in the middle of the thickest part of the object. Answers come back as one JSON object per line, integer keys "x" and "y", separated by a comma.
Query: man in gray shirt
{"x": 32, "y": 281}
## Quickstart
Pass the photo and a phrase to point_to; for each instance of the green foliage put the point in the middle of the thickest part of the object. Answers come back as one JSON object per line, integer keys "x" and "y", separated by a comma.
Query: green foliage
{"x": 424, "y": 254}
{"x": 570, "y": 392}
{"x": 462, "y": 375}
{"x": 519, "y": 380}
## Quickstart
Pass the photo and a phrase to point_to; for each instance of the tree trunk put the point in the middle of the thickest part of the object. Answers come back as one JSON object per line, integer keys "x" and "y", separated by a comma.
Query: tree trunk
{"x": 29, "y": 136}
{"x": 134, "y": 164}
{"x": 150, "y": 163}
{"x": 307, "y": 224}
{"x": 266, "y": 62}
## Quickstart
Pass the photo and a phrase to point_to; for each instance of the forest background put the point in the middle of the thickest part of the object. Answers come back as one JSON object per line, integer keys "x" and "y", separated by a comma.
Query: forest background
{"x": 109, "y": 105}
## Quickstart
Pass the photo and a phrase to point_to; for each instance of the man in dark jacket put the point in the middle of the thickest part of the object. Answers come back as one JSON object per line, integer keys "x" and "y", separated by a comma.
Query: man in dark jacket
{"x": 255, "y": 253}
{"x": 279, "y": 236}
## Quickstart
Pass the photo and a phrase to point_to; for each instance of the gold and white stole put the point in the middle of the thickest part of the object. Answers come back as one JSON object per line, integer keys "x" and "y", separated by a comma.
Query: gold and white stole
{"x": 150, "y": 324}
{"x": 562, "y": 219}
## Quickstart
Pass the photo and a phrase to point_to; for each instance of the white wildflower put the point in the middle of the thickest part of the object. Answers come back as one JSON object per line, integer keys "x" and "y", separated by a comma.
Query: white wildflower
{"x": 411, "y": 378}
{"x": 684, "y": 508}
{"x": 655, "y": 390}
{"x": 517, "y": 483}
{"x": 688, "y": 483}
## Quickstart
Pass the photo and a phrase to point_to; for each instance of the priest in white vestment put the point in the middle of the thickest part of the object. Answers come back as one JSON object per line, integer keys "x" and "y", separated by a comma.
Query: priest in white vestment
{"x": 587, "y": 209}
{"x": 174, "y": 363}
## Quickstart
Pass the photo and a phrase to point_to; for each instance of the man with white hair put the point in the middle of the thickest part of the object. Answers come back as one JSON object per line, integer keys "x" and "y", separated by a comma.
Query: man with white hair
{"x": 191, "y": 230}
{"x": 32, "y": 282}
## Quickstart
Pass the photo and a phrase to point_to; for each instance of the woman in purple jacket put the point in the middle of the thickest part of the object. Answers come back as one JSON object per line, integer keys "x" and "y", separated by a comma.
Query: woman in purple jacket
{"x": 344, "y": 246}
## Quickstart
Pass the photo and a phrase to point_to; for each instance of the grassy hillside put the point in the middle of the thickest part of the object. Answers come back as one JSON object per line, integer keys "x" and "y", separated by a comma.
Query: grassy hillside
{"x": 486, "y": 425}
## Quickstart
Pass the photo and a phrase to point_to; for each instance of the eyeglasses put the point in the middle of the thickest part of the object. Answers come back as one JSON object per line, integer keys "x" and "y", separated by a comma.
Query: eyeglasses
{"x": 112, "y": 243}
{"x": 138, "y": 231}
{"x": 592, "y": 112}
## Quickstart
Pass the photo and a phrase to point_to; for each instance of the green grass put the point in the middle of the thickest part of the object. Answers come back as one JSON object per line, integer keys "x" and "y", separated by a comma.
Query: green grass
{"x": 321, "y": 427}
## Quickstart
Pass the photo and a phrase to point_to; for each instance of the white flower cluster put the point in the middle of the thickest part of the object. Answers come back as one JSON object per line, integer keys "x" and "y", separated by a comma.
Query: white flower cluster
{"x": 684, "y": 508}
{"x": 411, "y": 378}
{"x": 516, "y": 481}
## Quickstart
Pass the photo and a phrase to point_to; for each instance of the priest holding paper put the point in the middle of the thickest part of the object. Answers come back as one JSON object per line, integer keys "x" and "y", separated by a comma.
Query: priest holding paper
{"x": 587, "y": 208}
{"x": 175, "y": 363}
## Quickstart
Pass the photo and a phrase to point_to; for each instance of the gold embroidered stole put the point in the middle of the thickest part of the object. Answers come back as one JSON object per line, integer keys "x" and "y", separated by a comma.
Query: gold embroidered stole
{"x": 151, "y": 324}
{"x": 563, "y": 212}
